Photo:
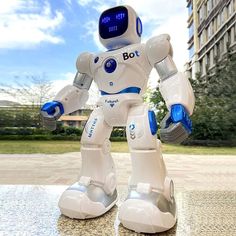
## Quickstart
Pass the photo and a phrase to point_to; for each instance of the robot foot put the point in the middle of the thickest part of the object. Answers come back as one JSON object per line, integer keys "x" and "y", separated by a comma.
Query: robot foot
{"x": 148, "y": 213}
{"x": 83, "y": 202}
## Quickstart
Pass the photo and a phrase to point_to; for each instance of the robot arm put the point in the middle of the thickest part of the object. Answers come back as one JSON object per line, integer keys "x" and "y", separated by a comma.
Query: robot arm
{"x": 72, "y": 97}
{"x": 175, "y": 89}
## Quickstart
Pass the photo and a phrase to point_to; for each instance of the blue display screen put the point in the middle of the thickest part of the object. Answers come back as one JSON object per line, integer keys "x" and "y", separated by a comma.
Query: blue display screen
{"x": 113, "y": 22}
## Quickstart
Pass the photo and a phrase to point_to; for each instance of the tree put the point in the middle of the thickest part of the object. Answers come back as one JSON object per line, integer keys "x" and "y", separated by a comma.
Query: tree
{"x": 158, "y": 103}
{"x": 31, "y": 96}
{"x": 36, "y": 92}
{"x": 214, "y": 117}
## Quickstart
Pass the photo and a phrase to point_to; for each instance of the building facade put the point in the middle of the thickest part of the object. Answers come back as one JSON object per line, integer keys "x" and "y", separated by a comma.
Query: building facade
{"x": 212, "y": 31}
{"x": 76, "y": 119}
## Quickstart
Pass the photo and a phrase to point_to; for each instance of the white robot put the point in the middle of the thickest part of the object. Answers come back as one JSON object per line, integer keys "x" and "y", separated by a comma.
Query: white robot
{"x": 121, "y": 74}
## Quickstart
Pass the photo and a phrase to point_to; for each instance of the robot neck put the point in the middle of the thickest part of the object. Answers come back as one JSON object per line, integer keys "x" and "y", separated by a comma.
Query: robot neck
{"x": 117, "y": 46}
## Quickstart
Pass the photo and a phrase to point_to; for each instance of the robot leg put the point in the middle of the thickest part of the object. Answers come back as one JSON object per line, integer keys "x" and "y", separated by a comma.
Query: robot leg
{"x": 95, "y": 192}
{"x": 150, "y": 204}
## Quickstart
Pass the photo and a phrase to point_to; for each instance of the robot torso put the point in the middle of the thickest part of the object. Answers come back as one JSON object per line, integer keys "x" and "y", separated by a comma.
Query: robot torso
{"x": 125, "y": 70}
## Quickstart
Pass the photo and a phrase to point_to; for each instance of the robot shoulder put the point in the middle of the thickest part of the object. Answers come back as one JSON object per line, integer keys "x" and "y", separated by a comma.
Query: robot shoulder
{"x": 158, "y": 48}
{"x": 83, "y": 63}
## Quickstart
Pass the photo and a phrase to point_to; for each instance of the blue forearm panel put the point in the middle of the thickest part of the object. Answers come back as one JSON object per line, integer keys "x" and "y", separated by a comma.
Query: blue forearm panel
{"x": 179, "y": 114}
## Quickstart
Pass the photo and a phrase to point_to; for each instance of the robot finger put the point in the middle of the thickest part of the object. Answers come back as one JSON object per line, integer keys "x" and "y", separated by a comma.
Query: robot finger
{"x": 175, "y": 133}
{"x": 166, "y": 121}
{"x": 49, "y": 121}
{"x": 50, "y": 124}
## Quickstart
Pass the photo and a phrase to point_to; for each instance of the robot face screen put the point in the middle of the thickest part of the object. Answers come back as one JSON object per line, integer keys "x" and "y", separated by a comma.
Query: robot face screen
{"x": 113, "y": 22}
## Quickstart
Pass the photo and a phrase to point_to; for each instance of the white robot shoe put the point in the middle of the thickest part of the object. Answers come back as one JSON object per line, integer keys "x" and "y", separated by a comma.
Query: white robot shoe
{"x": 83, "y": 202}
{"x": 147, "y": 213}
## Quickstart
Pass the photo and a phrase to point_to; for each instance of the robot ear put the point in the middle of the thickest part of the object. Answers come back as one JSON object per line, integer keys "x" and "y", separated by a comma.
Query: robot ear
{"x": 139, "y": 26}
{"x": 171, "y": 51}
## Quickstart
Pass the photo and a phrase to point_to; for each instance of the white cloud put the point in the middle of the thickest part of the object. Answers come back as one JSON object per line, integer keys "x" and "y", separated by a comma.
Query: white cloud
{"x": 155, "y": 11}
{"x": 178, "y": 38}
{"x": 24, "y": 24}
{"x": 92, "y": 31}
{"x": 98, "y": 5}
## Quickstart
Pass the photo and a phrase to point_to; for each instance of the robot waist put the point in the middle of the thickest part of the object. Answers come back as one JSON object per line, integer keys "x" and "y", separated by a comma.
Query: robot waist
{"x": 126, "y": 90}
{"x": 116, "y": 107}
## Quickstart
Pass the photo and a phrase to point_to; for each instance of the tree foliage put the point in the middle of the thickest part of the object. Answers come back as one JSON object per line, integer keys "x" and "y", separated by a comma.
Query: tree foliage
{"x": 20, "y": 116}
{"x": 158, "y": 103}
{"x": 214, "y": 116}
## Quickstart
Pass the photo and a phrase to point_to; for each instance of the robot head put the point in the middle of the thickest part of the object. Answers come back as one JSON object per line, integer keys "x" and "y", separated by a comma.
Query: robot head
{"x": 119, "y": 26}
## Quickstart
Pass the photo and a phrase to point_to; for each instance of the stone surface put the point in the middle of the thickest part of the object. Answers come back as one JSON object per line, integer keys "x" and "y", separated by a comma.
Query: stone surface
{"x": 32, "y": 210}
{"x": 205, "y": 194}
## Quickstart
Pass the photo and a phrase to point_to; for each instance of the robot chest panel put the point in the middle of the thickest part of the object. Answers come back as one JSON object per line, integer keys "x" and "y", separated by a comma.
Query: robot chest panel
{"x": 121, "y": 68}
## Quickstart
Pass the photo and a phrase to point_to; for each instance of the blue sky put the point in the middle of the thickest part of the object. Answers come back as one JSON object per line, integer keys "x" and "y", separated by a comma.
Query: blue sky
{"x": 44, "y": 37}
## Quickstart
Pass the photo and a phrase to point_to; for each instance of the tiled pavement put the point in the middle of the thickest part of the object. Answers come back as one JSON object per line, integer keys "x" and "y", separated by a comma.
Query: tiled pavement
{"x": 188, "y": 171}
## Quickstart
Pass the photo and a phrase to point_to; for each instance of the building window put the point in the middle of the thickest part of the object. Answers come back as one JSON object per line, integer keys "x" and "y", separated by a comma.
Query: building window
{"x": 215, "y": 2}
{"x": 201, "y": 39}
{"x": 231, "y": 7}
{"x": 234, "y": 33}
{"x": 221, "y": 47}
{"x": 217, "y": 50}
{"x": 207, "y": 65}
{"x": 209, "y": 6}
{"x": 200, "y": 66}
{"x": 226, "y": 41}
{"x": 72, "y": 123}
{"x": 201, "y": 14}
{"x": 222, "y": 17}
{"x": 218, "y": 21}
{"x": 226, "y": 15}
{"x": 231, "y": 36}
{"x": 210, "y": 31}
{"x": 190, "y": 9}
{"x": 211, "y": 58}
{"x": 191, "y": 29}
{"x": 191, "y": 52}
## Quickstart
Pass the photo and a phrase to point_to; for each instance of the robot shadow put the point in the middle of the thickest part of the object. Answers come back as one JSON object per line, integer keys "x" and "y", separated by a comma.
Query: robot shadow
{"x": 107, "y": 224}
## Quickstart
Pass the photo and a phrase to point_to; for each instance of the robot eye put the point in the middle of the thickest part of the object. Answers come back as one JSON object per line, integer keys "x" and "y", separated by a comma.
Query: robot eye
{"x": 113, "y": 22}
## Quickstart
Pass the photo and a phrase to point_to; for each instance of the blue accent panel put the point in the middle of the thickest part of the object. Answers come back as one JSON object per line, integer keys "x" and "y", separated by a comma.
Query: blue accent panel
{"x": 152, "y": 122}
{"x": 110, "y": 65}
{"x": 179, "y": 114}
{"x": 139, "y": 26}
{"x": 49, "y": 107}
{"x": 126, "y": 90}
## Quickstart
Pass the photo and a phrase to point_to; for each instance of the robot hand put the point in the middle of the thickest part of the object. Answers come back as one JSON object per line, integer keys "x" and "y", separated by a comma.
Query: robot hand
{"x": 176, "y": 125}
{"x": 51, "y": 112}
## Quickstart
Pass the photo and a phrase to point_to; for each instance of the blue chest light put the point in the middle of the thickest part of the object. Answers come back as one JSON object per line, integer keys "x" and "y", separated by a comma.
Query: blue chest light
{"x": 110, "y": 65}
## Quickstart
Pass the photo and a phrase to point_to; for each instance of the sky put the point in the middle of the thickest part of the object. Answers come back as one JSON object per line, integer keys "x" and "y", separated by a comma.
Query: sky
{"x": 44, "y": 37}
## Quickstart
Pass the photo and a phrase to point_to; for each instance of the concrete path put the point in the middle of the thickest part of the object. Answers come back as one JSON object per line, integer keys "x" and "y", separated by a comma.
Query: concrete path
{"x": 188, "y": 171}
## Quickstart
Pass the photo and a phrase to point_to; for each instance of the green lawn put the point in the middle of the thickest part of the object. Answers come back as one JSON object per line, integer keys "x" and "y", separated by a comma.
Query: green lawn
{"x": 26, "y": 147}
